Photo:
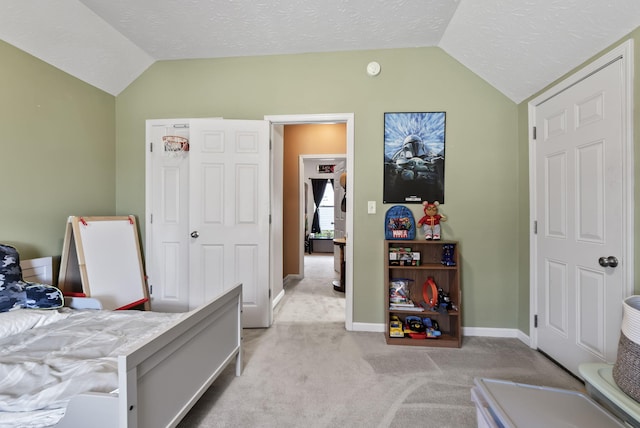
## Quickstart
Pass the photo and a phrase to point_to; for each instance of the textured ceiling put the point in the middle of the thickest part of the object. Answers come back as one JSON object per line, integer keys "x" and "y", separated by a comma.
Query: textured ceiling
{"x": 175, "y": 29}
{"x": 518, "y": 46}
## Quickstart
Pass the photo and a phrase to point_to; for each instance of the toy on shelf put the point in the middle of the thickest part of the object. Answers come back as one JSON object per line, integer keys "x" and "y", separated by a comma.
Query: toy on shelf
{"x": 421, "y": 328}
{"x": 447, "y": 254}
{"x": 399, "y": 295}
{"x": 430, "y": 294}
{"x": 445, "y": 304}
{"x": 403, "y": 256}
{"x": 414, "y": 327}
{"x": 431, "y": 327}
{"x": 395, "y": 327}
{"x": 399, "y": 291}
{"x": 430, "y": 222}
{"x": 435, "y": 298}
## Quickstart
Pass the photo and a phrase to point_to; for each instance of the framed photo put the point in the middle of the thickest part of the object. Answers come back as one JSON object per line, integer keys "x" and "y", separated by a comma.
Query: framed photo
{"x": 414, "y": 157}
{"x": 326, "y": 169}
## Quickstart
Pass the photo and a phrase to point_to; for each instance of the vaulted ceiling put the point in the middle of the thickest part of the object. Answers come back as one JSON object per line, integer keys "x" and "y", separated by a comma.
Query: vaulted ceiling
{"x": 518, "y": 46}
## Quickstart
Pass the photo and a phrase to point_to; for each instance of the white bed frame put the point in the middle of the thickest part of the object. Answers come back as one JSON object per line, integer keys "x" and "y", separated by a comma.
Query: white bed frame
{"x": 38, "y": 270}
{"x": 162, "y": 379}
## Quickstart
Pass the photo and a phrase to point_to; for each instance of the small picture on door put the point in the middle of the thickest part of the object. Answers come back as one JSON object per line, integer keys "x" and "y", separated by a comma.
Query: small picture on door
{"x": 414, "y": 157}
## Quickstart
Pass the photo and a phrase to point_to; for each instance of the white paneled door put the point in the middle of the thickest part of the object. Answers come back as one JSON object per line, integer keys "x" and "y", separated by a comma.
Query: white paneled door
{"x": 208, "y": 215}
{"x": 229, "y": 187}
{"x": 167, "y": 218}
{"x": 579, "y": 210}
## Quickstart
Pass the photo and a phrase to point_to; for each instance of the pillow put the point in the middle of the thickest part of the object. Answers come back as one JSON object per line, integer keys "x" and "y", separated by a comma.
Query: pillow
{"x": 11, "y": 296}
{"x": 10, "y": 271}
{"x": 42, "y": 296}
{"x": 29, "y": 295}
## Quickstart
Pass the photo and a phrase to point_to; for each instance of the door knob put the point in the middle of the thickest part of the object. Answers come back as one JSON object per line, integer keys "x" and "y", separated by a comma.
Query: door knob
{"x": 610, "y": 261}
{"x": 195, "y": 234}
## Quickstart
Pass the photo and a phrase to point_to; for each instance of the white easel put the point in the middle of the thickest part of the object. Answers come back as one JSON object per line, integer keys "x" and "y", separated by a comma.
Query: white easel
{"x": 101, "y": 258}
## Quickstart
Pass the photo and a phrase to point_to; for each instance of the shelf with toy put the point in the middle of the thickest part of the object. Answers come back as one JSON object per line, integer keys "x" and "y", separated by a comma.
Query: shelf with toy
{"x": 427, "y": 267}
{"x": 429, "y": 291}
{"x": 448, "y": 336}
{"x": 422, "y": 311}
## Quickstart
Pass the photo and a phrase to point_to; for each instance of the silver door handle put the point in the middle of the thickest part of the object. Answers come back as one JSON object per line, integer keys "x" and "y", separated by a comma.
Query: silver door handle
{"x": 195, "y": 234}
{"x": 610, "y": 261}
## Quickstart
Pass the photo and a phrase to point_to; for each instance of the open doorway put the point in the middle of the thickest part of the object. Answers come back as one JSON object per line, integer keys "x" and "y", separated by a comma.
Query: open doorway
{"x": 317, "y": 291}
{"x": 289, "y": 189}
{"x": 322, "y": 205}
{"x": 323, "y": 211}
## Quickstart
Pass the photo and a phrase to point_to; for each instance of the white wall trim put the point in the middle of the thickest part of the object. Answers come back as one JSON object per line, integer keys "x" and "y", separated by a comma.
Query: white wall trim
{"x": 291, "y": 277}
{"x": 277, "y": 299}
{"x": 509, "y": 333}
{"x": 490, "y": 332}
{"x": 370, "y": 327}
{"x": 524, "y": 338}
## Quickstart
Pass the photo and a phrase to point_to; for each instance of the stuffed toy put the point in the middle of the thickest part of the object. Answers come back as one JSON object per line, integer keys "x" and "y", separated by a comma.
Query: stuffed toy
{"x": 431, "y": 220}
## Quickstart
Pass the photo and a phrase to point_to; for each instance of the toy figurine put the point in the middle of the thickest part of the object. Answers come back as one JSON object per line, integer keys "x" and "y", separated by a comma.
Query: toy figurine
{"x": 444, "y": 301}
{"x": 447, "y": 255}
{"x": 431, "y": 220}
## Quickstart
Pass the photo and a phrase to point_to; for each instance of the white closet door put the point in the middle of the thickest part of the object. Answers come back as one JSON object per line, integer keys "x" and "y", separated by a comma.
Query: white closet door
{"x": 579, "y": 200}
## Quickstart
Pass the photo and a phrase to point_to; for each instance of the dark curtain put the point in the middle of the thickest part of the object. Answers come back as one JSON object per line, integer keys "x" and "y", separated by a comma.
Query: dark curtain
{"x": 318, "y": 186}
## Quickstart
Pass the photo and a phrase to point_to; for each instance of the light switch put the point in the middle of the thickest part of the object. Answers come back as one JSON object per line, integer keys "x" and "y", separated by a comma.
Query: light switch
{"x": 371, "y": 207}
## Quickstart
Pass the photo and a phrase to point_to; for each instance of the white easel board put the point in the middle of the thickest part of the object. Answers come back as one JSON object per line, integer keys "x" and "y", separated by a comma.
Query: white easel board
{"x": 101, "y": 258}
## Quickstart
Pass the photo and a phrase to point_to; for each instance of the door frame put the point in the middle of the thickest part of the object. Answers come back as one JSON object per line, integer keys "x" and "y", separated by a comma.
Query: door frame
{"x": 348, "y": 119}
{"x": 623, "y": 52}
{"x": 301, "y": 181}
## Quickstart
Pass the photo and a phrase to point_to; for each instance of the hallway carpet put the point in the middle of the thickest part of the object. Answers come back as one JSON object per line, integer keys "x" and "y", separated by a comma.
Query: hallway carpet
{"x": 308, "y": 371}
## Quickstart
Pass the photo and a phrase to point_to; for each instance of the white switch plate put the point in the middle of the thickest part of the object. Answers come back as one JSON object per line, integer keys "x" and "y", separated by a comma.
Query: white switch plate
{"x": 371, "y": 207}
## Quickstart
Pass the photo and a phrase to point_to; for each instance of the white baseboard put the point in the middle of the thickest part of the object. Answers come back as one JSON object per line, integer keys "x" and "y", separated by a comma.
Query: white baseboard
{"x": 489, "y": 332}
{"x": 290, "y": 277}
{"x": 371, "y": 327}
{"x": 277, "y": 299}
{"x": 466, "y": 331}
{"x": 496, "y": 332}
{"x": 281, "y": 294}
{"x": 524, "y": 339}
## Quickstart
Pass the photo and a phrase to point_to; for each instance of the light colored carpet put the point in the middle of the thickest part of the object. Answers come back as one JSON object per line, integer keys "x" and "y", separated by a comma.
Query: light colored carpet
{"x": 308, "y": 371}
{"x": 313, "y": 300}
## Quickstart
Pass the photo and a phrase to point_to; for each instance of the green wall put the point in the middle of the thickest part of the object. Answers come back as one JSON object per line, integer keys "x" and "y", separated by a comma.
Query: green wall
{"x": 71, "y": 149}
{"x": 56, "y": 152}
{"x": 481, "y": 192}
{"x": 523, "y": 161}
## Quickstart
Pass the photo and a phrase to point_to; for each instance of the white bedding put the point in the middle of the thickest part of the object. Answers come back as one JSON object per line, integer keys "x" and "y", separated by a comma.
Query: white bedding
{"x": 48, "y": 356}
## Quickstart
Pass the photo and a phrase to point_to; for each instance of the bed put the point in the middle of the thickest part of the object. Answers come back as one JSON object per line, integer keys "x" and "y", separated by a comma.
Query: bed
{"x": 157, "y": 378}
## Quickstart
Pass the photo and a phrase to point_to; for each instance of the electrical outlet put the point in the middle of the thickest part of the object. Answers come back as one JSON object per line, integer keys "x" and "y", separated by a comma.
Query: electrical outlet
{"x": 371, "y": 207}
